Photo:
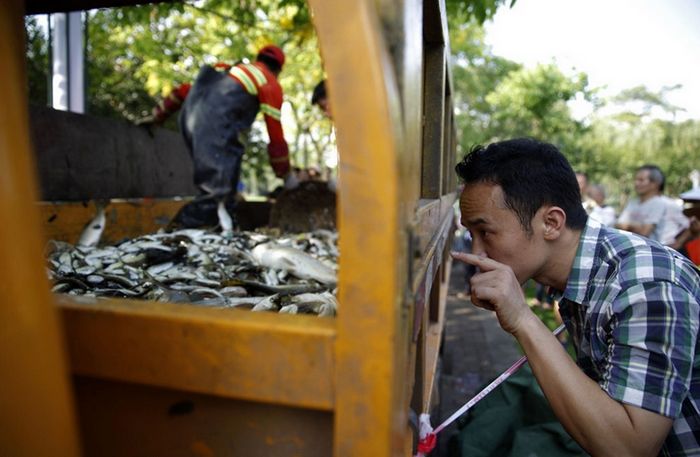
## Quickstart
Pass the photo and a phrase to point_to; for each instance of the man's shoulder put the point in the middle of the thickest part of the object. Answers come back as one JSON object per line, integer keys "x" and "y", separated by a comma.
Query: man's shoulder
{"x": 632, "y": 202}
{"x": 634, "y": 257}
{"x": 657, "y": 201}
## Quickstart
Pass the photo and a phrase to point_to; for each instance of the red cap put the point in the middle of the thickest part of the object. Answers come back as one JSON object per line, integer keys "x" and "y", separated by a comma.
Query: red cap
{"x": 274, "y": 53}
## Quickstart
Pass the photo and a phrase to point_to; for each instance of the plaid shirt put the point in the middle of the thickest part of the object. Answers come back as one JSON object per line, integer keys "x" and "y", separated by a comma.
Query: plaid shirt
{"x": 632, "y": 308}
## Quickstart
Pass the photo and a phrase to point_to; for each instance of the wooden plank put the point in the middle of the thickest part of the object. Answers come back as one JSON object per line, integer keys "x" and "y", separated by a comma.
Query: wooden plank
{"x": 82, "y": 157}
{"x": 273, "y": 358}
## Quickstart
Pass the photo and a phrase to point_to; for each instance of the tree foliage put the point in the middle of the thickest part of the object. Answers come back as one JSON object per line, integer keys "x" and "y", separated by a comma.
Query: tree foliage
{"x": 477, "y": 10}
{"x": 37, "y": 52}
{"x": 497, "y": 99}
{"x": 136, "y": 55}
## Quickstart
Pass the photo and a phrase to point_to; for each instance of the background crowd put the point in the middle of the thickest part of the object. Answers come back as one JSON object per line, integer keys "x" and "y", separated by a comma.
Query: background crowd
{"x": 674, "y": 222}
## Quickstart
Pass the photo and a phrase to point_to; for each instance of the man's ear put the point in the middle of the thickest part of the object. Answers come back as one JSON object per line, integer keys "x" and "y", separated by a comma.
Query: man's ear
{"x": 554, "y": 220}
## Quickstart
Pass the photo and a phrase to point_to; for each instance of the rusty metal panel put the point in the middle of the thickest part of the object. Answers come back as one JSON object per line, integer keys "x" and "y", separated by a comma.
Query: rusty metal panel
{"x": 81, "y": 157}
{"x": 435, "y": 22}
{"x": 36, "y": 405}
{"x": 371, "y": 350}
{"x": 267, "y": 357}
{"x": 64, "y": 221}
{"x": 434, "y": 121}
{"x": 119, "y": 419}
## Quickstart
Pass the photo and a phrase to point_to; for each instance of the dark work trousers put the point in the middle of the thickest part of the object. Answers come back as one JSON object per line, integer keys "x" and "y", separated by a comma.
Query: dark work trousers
{"x": 216, "y": 112}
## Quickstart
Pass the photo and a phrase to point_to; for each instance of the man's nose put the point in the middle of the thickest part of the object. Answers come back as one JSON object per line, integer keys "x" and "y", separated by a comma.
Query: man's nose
{"x": 477, "y": 246}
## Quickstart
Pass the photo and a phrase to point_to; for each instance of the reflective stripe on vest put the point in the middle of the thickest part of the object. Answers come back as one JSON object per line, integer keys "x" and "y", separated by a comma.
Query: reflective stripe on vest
{"x": 270, "y": 111}
{"x": 244, "y": 79}
{"x": 257, "y": 74}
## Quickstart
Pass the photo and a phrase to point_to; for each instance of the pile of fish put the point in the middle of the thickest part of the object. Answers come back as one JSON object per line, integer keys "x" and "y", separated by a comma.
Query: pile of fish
{"x": 250, "y": 270}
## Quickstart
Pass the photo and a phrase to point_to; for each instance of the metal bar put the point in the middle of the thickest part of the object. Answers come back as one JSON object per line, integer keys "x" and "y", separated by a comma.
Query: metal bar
{"x": 37, "y": 416}
{"x": 263, "y": 357}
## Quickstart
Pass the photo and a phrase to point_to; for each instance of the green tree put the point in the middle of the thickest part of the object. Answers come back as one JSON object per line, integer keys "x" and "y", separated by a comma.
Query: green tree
{"x": 477, "y": 10}
{"x": 136, "y": 55}
{"x": 37, "y": 52}
{"x": 476, "y": 74}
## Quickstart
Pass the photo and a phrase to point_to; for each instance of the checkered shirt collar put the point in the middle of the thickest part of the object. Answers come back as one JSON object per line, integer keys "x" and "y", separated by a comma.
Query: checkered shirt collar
{"x": 583, "y": 268}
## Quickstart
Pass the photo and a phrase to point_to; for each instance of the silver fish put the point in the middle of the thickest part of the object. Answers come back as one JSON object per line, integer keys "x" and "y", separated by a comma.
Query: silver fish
{"x": 267, "y": 304}
{"x": 93, "y": 230}
{"x": 296, "y": 262}
{"x": 289, "y": 309}
{"x": 323, "y": 304}
{"x": 225, "y": 220}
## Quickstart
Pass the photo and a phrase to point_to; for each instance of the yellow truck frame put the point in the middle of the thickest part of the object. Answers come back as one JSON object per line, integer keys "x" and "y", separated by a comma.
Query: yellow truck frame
{"x": 120, "y": 377}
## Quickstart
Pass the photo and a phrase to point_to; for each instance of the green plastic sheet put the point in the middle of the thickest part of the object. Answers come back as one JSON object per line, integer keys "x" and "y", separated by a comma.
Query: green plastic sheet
{"x": 515, "y": 420}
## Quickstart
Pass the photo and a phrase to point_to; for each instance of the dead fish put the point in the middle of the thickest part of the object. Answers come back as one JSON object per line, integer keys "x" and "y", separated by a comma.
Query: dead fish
{"x": 215, "y": 302}
{"x": 267, "y": 304}
{"x": 296, "y": 262}
{"x": 133, "y": 259}
{"x": 118, "y": 292}
{"x": 323, "y": 304}
{"x": 158, "y": 269}
{"x": 225, "y": 220}
{"x": 233, "y": 291}
{"x": 282, "y": 289}
{"x": 289, "y": 309}
{"x": 95, "y": 279}
{"x": 85, "y": 271}
{"x": 93, "y": 230}
{"x": 244, "y": 302}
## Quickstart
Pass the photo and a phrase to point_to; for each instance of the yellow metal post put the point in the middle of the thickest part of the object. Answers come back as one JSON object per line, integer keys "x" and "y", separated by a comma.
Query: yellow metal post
{"x": 371, "y": 356}
{"x": 36, "y": 411}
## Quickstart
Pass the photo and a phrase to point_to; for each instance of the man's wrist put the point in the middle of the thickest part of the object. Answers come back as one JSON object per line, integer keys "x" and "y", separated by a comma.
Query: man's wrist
{"x": 528, "y": 323}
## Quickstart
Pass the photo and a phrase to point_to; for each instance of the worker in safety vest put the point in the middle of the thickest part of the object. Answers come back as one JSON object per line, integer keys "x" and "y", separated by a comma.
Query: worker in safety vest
{"x": 215, "y": 111}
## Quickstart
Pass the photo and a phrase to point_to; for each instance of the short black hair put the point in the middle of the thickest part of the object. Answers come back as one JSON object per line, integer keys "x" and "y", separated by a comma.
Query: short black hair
{"x": 270, "y": 63}
{"x": 655, "y": 175}
{"x": 319, "y": 92}
{"x": 531, "y": 174}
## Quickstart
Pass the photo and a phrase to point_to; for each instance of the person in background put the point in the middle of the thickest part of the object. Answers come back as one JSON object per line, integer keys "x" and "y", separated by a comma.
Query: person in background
{"x": 644, "y": 215}
{"x": 320, "y": 97}
{"x": 631, "y": 306}
{"x": 216, "y": 111}
{"x": 675, "y": 221}
{"x": 688, "y": 241}
{"x": 605, "y": 214}
{"x": 588, "y": 203}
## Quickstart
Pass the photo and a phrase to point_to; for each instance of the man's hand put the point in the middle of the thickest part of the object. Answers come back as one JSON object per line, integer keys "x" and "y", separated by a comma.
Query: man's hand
{"x": 495, "y": 287}
{"x": 291, "y": 181}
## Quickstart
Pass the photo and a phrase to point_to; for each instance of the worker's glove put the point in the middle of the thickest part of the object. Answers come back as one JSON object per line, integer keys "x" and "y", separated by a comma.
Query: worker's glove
{"x": 291, "y": 181}
{"x": 279, "y": 159}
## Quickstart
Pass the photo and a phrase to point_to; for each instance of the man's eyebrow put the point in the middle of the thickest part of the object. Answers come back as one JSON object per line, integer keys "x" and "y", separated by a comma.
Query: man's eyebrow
{"x": 477, "y": 221}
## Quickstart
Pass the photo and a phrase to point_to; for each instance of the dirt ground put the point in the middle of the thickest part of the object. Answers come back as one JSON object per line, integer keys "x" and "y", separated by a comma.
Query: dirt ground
{"x": 307, "y": 207}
